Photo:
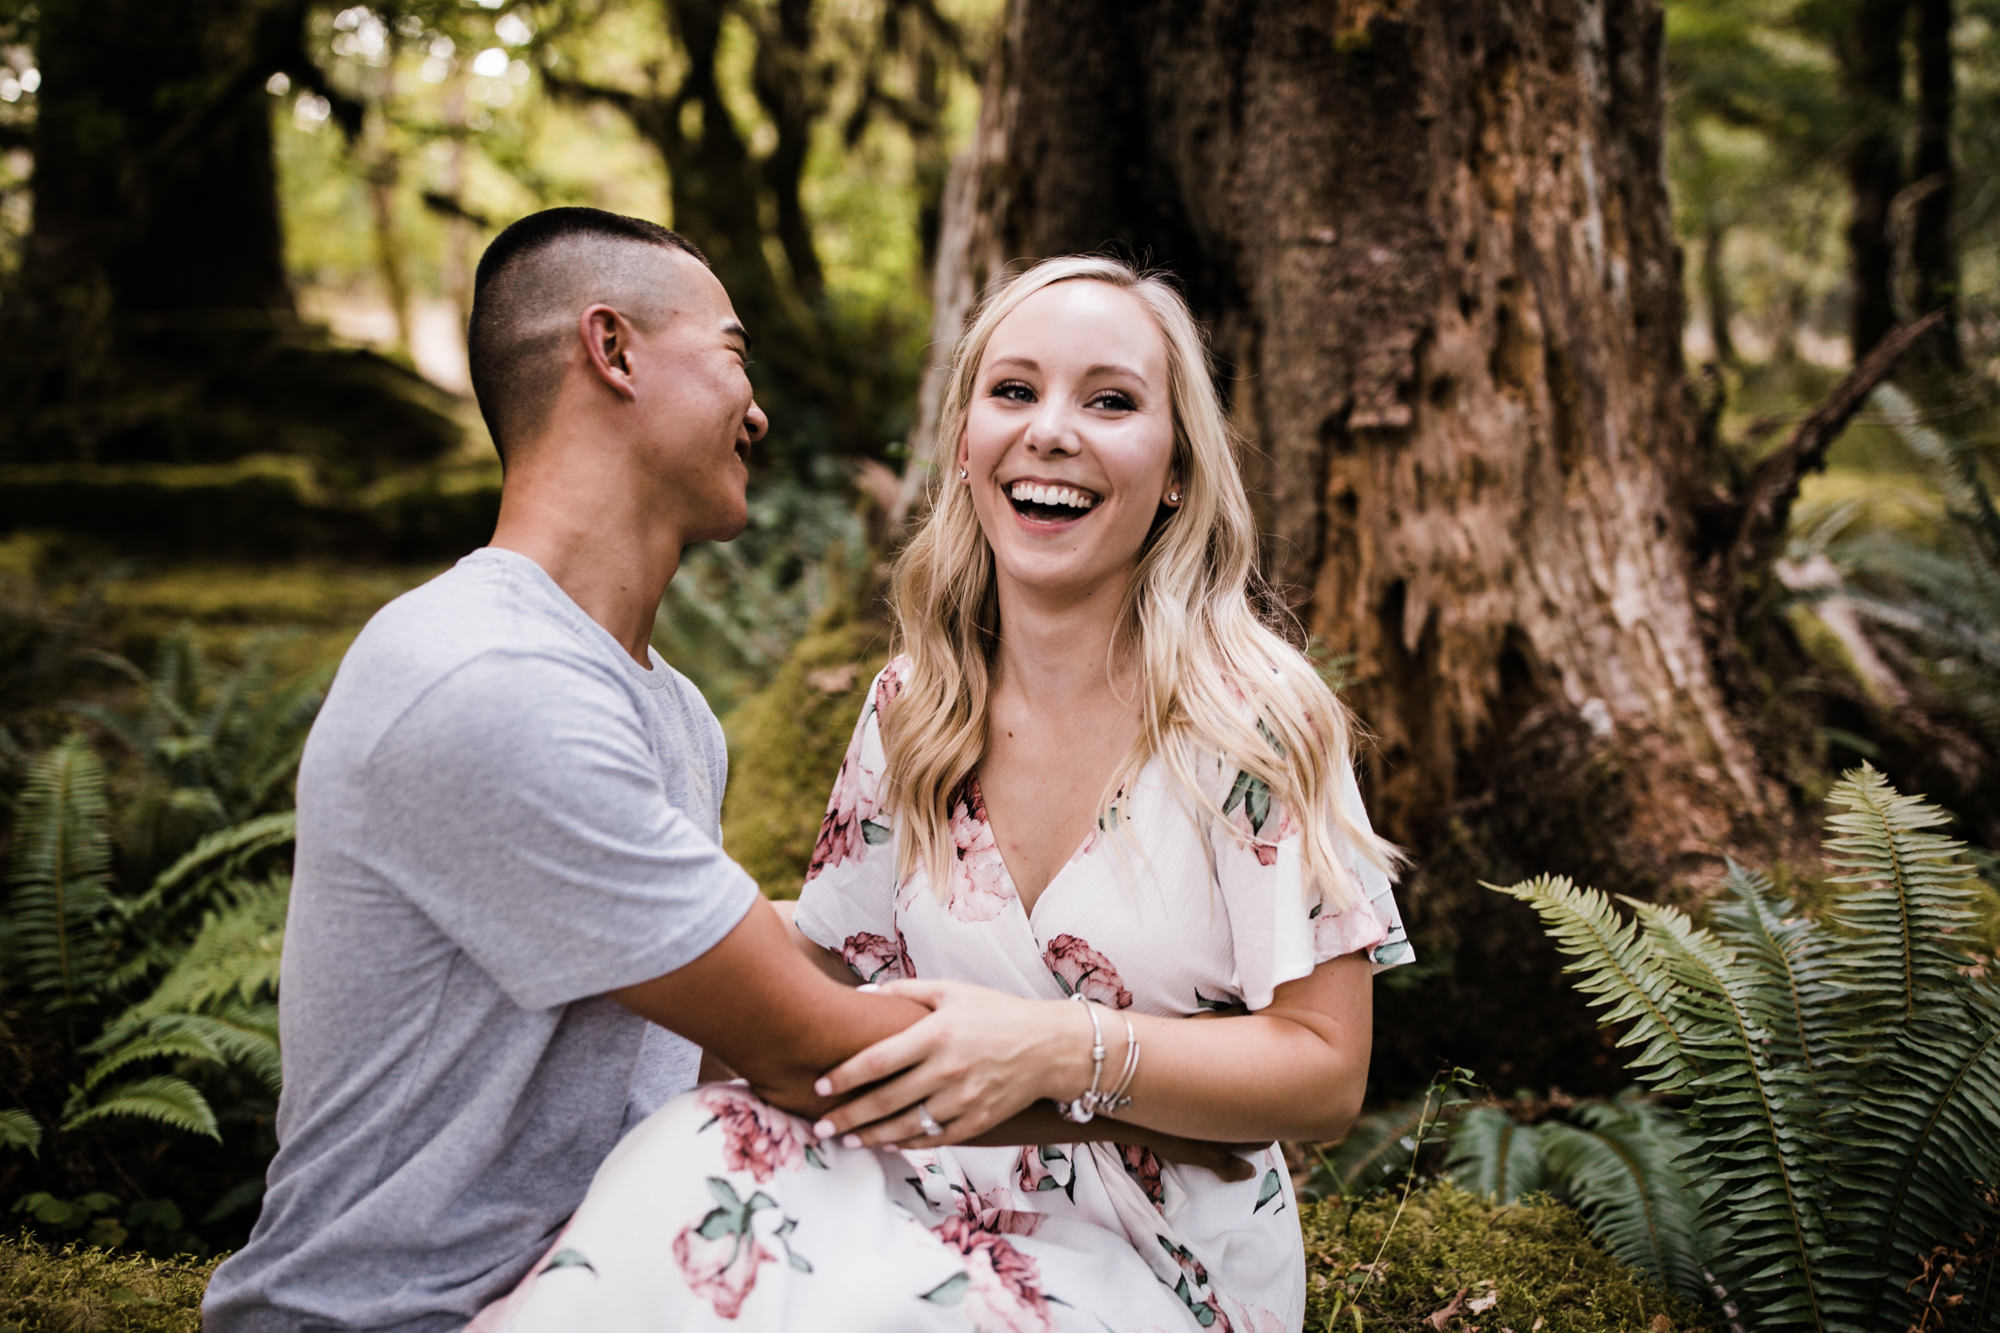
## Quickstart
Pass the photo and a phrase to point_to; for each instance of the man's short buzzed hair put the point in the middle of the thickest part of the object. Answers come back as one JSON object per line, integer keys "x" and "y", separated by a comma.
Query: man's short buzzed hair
{"x": 532, "y": 281}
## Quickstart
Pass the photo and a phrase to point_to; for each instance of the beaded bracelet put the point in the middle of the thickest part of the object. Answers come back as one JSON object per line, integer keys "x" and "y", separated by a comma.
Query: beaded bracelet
{"x": 1085, "y": 1106}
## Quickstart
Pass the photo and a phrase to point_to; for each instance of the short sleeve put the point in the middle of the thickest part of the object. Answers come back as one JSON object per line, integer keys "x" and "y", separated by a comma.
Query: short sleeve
{"x": 1281, "y": 929}
{"x": 848, "y": 904}
{"x": 521, "y": 809}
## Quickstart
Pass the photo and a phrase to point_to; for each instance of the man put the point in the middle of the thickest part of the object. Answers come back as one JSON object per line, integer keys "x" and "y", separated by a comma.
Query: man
{"x": 508, "y": 856}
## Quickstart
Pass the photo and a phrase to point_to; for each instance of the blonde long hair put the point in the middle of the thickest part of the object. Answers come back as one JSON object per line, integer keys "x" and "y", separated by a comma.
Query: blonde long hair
{"x": 1214, "y": 679}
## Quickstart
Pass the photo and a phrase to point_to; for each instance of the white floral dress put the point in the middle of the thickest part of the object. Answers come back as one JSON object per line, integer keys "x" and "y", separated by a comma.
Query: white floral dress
{"x": 720, "y": 1211}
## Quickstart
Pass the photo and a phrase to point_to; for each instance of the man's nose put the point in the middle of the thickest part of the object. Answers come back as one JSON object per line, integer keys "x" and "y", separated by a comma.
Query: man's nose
{"x": 756, "y": 422}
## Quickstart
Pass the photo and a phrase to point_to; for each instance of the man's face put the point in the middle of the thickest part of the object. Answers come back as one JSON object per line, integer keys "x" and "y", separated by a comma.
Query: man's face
{"x": 698, "y": 413}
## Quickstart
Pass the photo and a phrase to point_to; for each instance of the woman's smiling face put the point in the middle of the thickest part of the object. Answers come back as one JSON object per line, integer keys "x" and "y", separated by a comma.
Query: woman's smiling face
{"x": 1069, "y": 440}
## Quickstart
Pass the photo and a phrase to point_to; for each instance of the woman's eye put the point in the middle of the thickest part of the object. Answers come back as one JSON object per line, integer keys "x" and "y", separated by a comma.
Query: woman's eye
{"x": 1115, "y": 401}
{"x": 1014, "y": 390}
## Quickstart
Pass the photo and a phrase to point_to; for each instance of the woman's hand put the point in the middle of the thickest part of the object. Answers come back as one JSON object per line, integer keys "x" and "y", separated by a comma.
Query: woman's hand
{"x": 980, "y": 1057}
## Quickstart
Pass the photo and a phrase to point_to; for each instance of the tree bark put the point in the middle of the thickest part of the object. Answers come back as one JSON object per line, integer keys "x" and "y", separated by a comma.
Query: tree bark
{"x": 1432, "y": 242}
{"x": 1871, "y": 58}
{"x": 154, "y": 182}
{"x": 1933, "y": 257}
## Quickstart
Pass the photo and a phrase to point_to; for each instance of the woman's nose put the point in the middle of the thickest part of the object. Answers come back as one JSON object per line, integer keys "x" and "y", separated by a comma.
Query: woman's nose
{"x": 1051, "y": 430}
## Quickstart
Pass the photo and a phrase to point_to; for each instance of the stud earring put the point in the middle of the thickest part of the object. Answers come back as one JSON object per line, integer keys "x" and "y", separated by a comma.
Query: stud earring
{"x": 962, "y": 476}
{"x": 1173, "y": 497}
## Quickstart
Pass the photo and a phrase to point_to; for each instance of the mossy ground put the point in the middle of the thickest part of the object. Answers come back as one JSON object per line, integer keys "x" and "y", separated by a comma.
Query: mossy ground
{"x": 1530, "y": 1267}
{"x": 84, "y": 1290}
{"x": 1454, "y": 1261}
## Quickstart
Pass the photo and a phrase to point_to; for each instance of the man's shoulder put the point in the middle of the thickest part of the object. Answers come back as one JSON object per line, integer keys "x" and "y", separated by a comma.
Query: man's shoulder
{"x": 477, "y": 637}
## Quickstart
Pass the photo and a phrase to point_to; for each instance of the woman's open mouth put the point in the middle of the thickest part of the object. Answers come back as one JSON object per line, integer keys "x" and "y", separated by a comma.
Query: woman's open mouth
{"x": 1050, "y": 504}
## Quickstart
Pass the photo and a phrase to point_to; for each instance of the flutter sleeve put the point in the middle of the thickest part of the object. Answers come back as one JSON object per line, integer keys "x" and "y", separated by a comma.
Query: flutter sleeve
{"x": 1282, "y": 928}
{"x": 848, "y": 904}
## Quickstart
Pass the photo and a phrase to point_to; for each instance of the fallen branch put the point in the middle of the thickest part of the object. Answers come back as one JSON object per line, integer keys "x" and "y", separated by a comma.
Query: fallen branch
{"x": 1775, "y": 483}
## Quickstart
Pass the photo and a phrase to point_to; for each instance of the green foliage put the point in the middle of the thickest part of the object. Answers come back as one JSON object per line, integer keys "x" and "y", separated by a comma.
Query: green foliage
{"x": 1842, "y": 1074}
{"x": 1447, "y": 1258}
{"x": 86, "y": 1290}
{"x": 20, "y": 1130}
{"x": 59, "y": 870}
{"x": 169, "y": 924}
{"x": 1937, "y": 595}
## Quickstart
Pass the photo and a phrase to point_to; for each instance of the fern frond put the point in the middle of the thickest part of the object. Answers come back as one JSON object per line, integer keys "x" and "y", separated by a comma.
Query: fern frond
{"x": 1618, "y": 976}
{"x": 1621, "y": 1168}
{"x": 1496, "y": 1155}
{"x": 1903, "y": 923}
{"x": 151, "y": 1045}
{"x": 1786, "y": 947}
{"x": 18, "y": 1129}
{"x": 61, "y": 863}
{"x": 235, "y": 955}
{"x": 219, "y": 855}
{"x": 163, "y": 1098}
{"x": 1760, "y": 1120}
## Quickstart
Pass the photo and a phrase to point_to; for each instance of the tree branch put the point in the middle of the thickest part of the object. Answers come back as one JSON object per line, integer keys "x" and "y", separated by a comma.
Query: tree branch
{"x": 1775, "y": 483}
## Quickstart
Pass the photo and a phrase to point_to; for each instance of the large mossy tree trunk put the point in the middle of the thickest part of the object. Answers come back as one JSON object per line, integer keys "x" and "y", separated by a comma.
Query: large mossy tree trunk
{"x": 152, "y": 319}
{"x": 1432, "y": 242}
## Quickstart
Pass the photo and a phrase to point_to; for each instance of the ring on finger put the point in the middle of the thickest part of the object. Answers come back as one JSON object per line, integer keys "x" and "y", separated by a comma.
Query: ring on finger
{"x": 932, "y": 1129}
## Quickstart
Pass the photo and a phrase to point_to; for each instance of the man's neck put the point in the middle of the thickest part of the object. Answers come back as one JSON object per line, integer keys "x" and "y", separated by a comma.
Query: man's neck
{"x": 597, "y": 541}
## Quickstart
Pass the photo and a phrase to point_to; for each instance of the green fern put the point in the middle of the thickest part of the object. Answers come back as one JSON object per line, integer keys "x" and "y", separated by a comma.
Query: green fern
{"x": 60, "y": 873}
{"x": 1847, "y": 1098}
{"x": 20, "y": 1130}
{"x": 1620, "y": 1164}
{"x": 170, "y": 1101}
{"x": 1496, "y": 1155}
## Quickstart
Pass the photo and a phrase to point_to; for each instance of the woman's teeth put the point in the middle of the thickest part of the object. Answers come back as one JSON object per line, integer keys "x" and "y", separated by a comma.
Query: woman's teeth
{"x": 1051, "y": 497}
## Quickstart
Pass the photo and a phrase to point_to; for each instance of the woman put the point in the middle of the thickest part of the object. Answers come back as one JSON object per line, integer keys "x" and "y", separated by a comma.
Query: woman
{"x": 1092, "y": 798}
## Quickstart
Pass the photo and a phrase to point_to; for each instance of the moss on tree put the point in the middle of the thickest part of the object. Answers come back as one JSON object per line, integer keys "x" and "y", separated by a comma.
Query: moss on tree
{"x": 786, "y": 743}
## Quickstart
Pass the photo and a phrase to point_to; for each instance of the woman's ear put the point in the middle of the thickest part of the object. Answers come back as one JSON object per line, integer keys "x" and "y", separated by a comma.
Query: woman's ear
{"x": 964, "y": 461}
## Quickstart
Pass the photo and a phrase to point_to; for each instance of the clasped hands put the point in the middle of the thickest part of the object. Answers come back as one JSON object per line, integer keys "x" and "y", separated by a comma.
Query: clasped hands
{"x": 979, "y": 1058}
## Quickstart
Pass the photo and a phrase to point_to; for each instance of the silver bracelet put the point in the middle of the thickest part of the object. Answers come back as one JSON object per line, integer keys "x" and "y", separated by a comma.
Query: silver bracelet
{"x": 1120, "y": 1096}
{"x": 1084, "y": 1107}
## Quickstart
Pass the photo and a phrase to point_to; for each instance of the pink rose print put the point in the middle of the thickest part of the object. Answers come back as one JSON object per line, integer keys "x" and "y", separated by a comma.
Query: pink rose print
{"x": 989, "y": 1212}
{"x": 1037, "y": 1170}
{"x": 889, "y": 686}
{"x": 1082, "y": 970}
{"x": 1143, "y": 1166}
{"x": 1000, "y": 1288}
{"x": 876, "y": 957}
{"x": 850, "y": 826}
{"x": 980, "y": 891}
{"x": 722, "y": 1270}
{"x": 757, "y": 1138}
{"x": 1336, "y": 934}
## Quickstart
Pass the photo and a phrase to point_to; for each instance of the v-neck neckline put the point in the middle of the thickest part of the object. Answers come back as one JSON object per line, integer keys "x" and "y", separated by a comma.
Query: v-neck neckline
{"x": 1095, "y": 829}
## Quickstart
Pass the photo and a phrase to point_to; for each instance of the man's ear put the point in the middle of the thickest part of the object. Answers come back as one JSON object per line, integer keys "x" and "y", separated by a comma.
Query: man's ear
{"x": 607, "y": 346}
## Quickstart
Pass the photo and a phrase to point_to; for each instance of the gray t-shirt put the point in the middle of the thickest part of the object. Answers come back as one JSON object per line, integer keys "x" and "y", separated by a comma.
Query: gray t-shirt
{"x": 501, "y": 817}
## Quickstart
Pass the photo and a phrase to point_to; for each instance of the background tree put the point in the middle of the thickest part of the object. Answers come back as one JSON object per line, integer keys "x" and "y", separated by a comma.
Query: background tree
{"x": 1433, "y": 243}
{"x": 154, "y": 318}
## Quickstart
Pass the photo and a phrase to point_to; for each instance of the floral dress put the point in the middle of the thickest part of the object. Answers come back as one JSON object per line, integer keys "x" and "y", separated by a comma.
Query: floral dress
{"x": 721, "y": 1211}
